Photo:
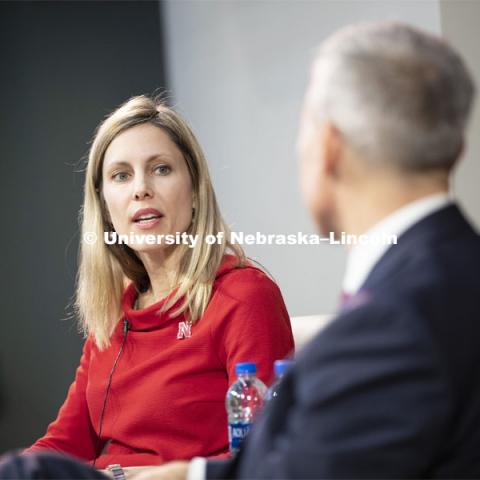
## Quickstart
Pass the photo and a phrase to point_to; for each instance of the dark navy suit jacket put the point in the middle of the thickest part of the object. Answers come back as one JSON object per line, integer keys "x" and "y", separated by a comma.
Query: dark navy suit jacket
{"x": 391, "y": 388}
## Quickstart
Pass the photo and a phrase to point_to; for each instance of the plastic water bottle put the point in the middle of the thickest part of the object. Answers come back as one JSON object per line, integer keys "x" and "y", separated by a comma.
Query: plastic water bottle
{"x": 280, "y": 367}
{"x": 244, "y": 399}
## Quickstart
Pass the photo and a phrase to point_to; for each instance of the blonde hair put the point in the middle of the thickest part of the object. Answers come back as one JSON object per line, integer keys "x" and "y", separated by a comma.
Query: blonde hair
{"x": 104, "y": 269}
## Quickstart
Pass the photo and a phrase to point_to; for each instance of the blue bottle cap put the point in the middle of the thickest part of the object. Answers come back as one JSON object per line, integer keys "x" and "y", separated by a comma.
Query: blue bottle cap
{"x": 281, "y": 366}
{"x": 245, "y": 367}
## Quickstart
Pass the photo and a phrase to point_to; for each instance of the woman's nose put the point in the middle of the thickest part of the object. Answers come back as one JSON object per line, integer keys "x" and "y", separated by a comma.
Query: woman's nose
{"x": 142, "y": 188}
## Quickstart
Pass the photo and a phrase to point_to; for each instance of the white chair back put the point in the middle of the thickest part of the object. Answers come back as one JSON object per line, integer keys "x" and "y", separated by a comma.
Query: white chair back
{"x": 306, "y": 327}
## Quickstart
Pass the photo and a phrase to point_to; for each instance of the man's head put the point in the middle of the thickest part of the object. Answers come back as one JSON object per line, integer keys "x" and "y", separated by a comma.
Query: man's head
{"x": 386, "y": 104}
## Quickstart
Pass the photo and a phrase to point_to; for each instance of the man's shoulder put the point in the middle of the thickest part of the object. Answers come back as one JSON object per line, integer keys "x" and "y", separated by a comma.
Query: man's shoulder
{"x": 403, "y": 325}
{"x": 371, "y": 316}
{"x": 376, "y": 327}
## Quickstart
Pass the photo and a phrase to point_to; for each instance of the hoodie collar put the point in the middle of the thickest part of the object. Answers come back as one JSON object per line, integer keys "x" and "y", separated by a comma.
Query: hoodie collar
{"x": 151, "y": 317}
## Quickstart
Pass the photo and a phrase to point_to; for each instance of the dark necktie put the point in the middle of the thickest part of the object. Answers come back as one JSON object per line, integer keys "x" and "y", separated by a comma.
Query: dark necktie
{"x": 344, "y": 298}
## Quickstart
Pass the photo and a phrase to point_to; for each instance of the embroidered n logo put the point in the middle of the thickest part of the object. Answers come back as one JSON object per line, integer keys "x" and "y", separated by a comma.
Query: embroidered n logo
{"x": 184, "y": 330}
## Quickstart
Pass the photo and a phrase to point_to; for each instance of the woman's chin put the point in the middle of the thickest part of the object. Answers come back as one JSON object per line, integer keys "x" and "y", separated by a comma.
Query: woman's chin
{"x": 150, "y": 249}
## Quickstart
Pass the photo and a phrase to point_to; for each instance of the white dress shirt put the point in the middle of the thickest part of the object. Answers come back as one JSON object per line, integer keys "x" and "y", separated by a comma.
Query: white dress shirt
{"x": 362, "y": 258}
{"x": 360, "y": 262}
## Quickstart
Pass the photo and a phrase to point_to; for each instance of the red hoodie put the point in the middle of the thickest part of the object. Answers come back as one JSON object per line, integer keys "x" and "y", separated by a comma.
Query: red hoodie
{"x": 167, "y": 396}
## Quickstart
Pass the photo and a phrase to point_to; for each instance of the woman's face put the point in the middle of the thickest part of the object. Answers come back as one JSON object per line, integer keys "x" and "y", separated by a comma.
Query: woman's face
{"x": 143, "y": 169}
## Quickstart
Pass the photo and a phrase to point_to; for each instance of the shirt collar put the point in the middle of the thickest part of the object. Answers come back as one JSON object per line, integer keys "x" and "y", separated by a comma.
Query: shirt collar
{"x": 362, "y": 258}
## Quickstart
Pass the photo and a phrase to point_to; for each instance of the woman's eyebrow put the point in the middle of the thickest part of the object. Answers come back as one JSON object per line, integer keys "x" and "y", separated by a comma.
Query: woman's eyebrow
{"x": 150, "y": 159}
{"x": 158, "y": 156}
{"x": 117, "y": 163}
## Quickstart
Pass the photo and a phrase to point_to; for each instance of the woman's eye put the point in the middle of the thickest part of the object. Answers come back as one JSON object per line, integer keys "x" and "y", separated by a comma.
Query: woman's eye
{"x": 120, "y": 176}
{"x": 163, "y": 169}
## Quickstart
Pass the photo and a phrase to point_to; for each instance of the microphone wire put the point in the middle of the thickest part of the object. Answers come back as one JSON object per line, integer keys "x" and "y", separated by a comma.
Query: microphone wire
{"x": 126, "y": 327}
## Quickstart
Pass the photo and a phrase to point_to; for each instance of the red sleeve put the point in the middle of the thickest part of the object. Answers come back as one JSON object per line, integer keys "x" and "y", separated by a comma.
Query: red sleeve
{"x": 72, "y": 431}
{"x": 220, "y": 456}
{"x": 257, "y": 327}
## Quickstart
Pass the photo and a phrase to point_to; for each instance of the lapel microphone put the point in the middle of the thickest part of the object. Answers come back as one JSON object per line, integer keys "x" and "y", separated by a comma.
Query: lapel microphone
{"x": 126, "y": 328}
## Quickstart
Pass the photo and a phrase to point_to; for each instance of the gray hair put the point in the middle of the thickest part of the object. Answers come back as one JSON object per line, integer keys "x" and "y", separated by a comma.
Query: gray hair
{"x": 395, "y": 93}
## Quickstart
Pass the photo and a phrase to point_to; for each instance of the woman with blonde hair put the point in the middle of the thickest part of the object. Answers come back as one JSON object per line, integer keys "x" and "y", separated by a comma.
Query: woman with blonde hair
{"x": 165, "y": 323}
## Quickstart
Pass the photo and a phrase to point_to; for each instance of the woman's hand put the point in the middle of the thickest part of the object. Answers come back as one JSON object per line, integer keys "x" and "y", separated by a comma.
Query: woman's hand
{"x": 106, "y": 472}
{"x": 168, "y": 471}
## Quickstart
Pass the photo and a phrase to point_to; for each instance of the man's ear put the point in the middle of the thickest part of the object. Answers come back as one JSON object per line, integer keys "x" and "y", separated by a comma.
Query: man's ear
{"x": 456, "y": 158}
{"x": 332, "y": 143}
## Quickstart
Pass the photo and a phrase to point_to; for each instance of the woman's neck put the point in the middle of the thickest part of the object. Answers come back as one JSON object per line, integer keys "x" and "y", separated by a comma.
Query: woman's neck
{"x": 162, "y": 269}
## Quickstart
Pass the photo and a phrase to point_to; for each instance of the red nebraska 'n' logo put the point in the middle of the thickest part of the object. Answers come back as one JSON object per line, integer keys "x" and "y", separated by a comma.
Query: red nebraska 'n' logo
{"x": 184, "y": 330}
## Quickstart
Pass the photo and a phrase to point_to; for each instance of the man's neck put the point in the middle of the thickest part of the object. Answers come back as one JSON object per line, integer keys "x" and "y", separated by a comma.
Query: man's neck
{"x": 368, "y": 206}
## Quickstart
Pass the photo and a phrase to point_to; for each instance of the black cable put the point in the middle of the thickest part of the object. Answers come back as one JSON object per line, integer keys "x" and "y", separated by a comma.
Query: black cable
{"x": 126, "y": 326}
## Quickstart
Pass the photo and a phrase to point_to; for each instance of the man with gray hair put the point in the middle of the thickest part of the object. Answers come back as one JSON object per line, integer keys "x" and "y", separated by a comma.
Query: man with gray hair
{"x": 391, "y": 388}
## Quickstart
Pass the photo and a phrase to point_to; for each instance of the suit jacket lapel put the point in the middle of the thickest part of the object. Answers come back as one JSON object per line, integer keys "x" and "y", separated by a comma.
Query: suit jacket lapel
{"x": 438, "y": 227}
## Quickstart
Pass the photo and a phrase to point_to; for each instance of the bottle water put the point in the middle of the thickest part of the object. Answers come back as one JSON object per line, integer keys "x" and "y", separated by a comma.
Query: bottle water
{"x": 280, "y": 367}
{"x": 244, "y": 399}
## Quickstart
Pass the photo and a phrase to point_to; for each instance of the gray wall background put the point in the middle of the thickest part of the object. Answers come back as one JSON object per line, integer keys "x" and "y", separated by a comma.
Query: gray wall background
{"x": 459, "y": 20}
{"x": 238, "y": 71}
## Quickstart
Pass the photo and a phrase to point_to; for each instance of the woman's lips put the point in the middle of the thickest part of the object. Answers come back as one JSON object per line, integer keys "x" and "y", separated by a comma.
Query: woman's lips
{"x": 147, "y": 224}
